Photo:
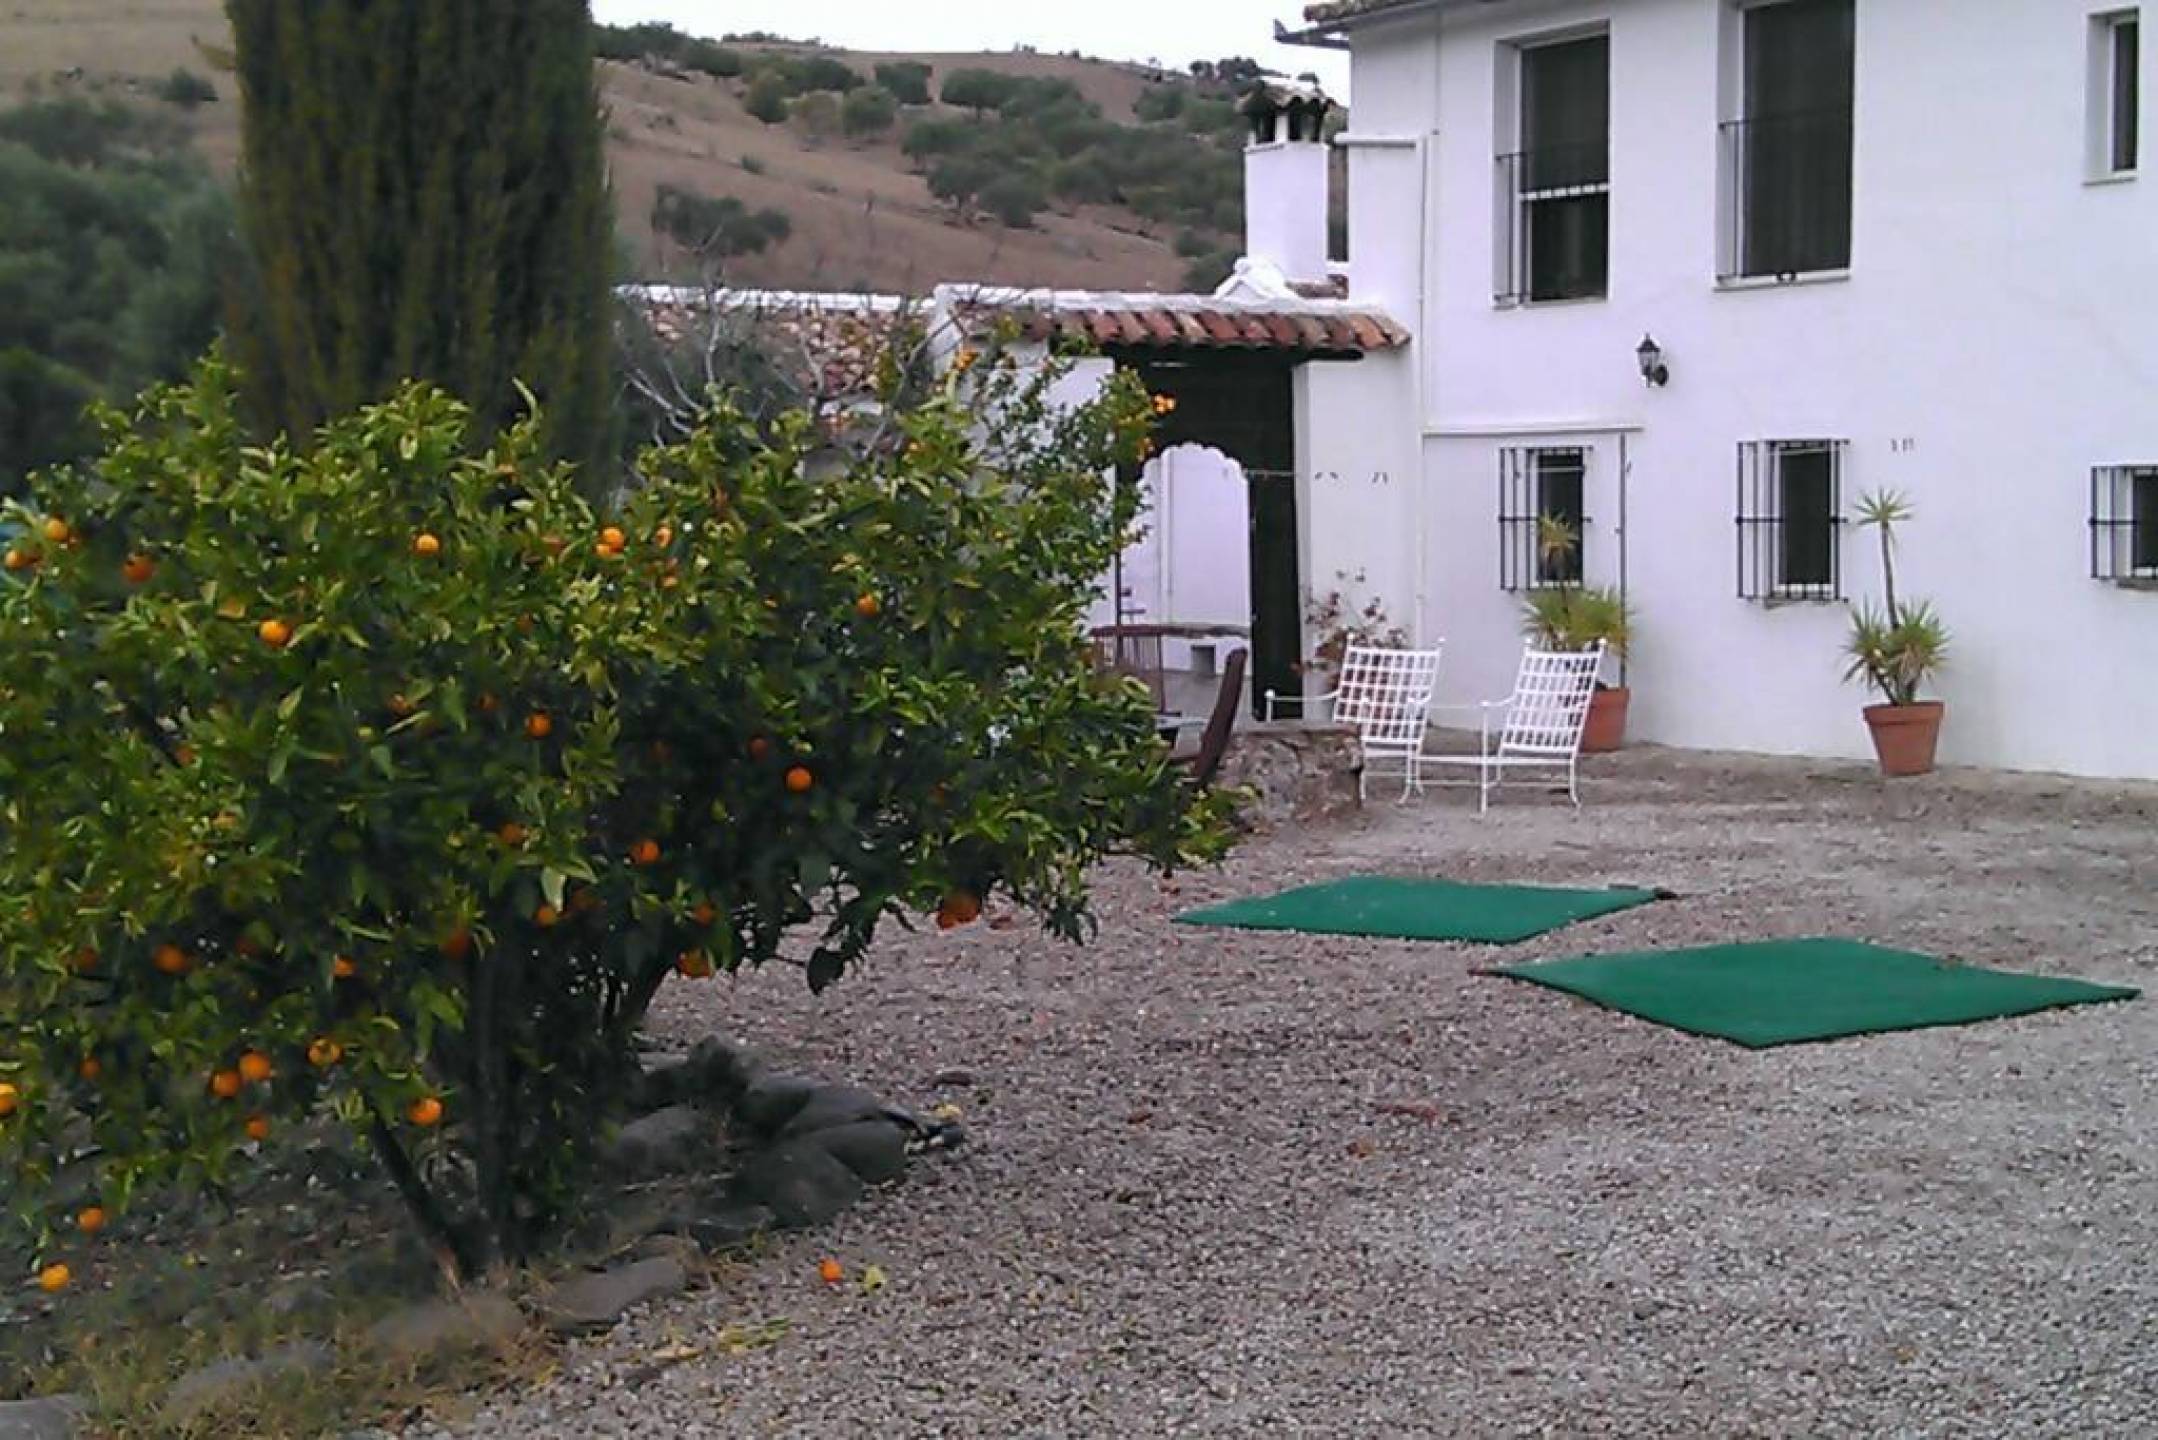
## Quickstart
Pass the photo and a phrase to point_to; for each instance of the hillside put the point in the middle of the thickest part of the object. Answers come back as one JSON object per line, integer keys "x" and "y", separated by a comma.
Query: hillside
{"x": 858, "y": 213}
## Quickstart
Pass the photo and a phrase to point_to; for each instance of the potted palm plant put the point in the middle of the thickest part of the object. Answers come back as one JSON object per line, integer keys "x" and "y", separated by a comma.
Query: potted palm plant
{"x": 1571, "y": 616}
{"x": 1896, "y": 649}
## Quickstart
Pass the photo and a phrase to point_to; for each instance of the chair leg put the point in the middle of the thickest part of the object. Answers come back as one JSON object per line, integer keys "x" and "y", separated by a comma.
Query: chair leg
{"x": 1573, "y": 783}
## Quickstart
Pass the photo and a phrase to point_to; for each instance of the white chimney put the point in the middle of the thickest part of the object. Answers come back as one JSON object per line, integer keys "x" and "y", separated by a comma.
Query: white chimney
{"x": 1285, "y": 181}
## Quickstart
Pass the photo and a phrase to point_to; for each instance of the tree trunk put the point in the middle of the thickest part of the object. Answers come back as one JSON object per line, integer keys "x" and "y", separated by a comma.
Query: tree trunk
{"x": 457, "y": 1256}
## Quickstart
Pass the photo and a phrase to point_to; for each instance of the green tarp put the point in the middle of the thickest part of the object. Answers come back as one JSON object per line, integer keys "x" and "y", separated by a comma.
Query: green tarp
{"x": 1409, "y": 909}
{"x": 1781, "y": 992}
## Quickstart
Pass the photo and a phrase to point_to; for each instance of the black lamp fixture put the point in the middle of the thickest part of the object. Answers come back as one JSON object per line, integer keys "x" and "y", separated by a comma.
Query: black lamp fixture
{"x": 1650, "y": 354}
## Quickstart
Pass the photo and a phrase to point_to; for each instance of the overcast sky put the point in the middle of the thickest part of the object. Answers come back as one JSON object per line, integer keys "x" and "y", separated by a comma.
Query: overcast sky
{"x": 1172, "y": 31}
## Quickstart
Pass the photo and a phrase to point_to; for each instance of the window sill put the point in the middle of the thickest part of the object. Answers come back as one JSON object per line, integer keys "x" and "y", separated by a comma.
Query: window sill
{"x": 2135, "y": 582}
{"x": 1784, "y": 282}
{"x": 2111, "y": 177}
{"x": 1783, "y": 602}
{"x": 1521, "y": 304}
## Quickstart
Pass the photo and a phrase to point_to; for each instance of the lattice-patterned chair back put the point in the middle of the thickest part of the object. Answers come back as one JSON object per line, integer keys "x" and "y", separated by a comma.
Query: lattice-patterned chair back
{"x": 1385, "y": 695}
{"x": 1550, "y": 704}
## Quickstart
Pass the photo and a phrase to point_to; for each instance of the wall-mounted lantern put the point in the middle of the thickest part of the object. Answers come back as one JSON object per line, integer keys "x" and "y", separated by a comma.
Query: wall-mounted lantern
{"x": 1650, "y": 354}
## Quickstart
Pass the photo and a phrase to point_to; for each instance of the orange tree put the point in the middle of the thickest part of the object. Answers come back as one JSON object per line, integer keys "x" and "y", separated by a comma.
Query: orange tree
{"x": 389, "y": 777}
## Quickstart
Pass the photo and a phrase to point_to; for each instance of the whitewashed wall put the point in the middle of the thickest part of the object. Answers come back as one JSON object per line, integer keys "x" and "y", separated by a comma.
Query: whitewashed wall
{"x": 1997, "y": 337}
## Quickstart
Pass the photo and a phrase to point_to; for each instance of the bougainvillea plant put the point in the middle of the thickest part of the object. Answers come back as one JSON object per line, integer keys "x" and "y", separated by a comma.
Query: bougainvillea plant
{"x": 388, "y": 776}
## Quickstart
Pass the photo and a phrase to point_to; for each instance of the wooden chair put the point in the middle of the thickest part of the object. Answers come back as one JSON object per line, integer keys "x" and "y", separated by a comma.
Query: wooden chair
{"x": 1203, "y": 763}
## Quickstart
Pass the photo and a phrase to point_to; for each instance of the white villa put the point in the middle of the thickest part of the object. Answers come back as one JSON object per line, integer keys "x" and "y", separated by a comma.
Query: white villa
{"x": 1871, "y": 243}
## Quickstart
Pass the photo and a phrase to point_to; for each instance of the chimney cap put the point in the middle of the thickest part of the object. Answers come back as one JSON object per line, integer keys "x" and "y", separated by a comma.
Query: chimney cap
{"x": 1303, "y": 107}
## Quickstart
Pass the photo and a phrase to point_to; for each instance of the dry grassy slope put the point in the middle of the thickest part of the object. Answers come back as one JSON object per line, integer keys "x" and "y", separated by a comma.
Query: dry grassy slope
{"x": 861, "y": 217}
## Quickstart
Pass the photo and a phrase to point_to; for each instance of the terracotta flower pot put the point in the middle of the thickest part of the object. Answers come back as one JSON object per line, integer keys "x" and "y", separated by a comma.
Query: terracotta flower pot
{"x": 1606, "y": 728}
{"x": 1904, "y": 735}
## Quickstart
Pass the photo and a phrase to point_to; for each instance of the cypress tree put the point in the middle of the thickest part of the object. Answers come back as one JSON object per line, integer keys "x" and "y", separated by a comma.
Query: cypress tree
{"x": 423, "y": 189}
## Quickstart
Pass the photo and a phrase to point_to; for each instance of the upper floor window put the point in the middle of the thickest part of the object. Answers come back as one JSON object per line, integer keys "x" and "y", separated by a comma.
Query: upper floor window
{"x": 1555, "y": 190}
{"x": 2124, "y": 523}
{"x": 1542, "y": 516}
{"x": 1789, "y": 520}
{"x": 1787, "y": 157}
{"x": 2116, "y": 59}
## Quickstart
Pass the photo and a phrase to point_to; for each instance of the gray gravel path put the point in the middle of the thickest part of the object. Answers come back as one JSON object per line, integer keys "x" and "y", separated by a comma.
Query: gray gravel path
{"x": 1188, "y": 1211}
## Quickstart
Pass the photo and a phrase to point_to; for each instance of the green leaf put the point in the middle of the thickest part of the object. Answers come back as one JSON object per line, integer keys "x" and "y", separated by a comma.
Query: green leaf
{"x": 552, "y": 884}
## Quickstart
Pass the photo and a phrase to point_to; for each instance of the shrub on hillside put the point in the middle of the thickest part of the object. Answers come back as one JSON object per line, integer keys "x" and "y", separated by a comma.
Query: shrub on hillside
{"x": 716, "y": 227}
{"x": 907, "y": 80}
{"x": 1014, "y": 197}
{"x": 184, "y": 88}
{"x": 767, "y": 98}
{"x": 384, "y": 777}
{"x": 871, "y": 110}
{"x": 978, "y": 90}
{"x": 816, "y": 114}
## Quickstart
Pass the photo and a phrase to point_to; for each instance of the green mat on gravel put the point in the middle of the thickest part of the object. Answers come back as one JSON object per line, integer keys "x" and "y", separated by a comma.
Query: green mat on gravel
{"x": 1781, "y": 992}
{"x": 1407, "y": 909}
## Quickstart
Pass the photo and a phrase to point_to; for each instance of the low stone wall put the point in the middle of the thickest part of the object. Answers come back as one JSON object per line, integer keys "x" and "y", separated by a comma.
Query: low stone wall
{"x": 1298, "y": 770}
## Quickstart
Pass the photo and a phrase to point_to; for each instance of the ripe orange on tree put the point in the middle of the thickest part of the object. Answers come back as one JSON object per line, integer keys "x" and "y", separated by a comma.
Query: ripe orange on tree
{"x": 169, "y": 960}
{"x": 694, "y": 964}
{"x": 458, "y": 943}
{"x": 867, "y": 606}
{"x": 57, "y": 530}
{"x": 703, "y": 913}
{"x": 91, "y": 1068}
{"x": 19, "y": 559}
{"x": 511, "y": 833}
{"x": 644, "y": 852}
{"x": 274, "y": 633}
{"x": 225, "y": 1084}
{"x": 90, "y": 1219}
{"x": 799, "y": 779}
{"x": 426, "y": 544}
{"x": 759, "y": 747}
{"x": 342, "y": 967}
{"x": 53, "y": 1278}
{"x": 546, "y": 917}
{"x": 961, "y": 907}
{"x": 138, "y": 569}
{"x": 10, "y": 1097}
{"x": 663, "y": 536}
{"x": 258, "y": 1127}
{"x": 612, "y": 537}
{"x": 539, "y": 725}
{"x": 255, "y": 1067}
{"x": 425, "y": 1112}
{"x": 323, "y": 1052}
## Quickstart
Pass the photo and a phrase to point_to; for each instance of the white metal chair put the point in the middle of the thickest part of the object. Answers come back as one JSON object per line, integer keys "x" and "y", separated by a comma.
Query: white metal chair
{"x": 1542, "y": 725}
{"x": 1385, "y": 696}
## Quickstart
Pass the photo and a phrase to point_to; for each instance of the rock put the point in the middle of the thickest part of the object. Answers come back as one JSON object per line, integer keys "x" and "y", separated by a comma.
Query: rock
{"x": 720, "y": 1071}
{"x": 680, "y": 1248}
{"x": 663, "y": 1085}
{"x": 669, "y": 1139}
{"x": 473, "y": 1322}
{"x": 596, "y": 1301}
{"x": 52, "y": 1417}
{"x": 832, "y": 1106}
{"x": 957, "y": 1079}
{"x": 228, "y": 1380}
{"x": 771, "y": 1101}
{"x": 802, "y": 1182}
{"x": 731, "y": 1225}
{"x": 298, "y": 1295}
{"x": 875, "y": 1150}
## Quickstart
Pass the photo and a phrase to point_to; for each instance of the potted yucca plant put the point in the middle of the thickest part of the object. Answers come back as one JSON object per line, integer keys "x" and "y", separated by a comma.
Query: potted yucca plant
{"x": 1896, "y": 649}
{"x": 1572, "y": 616}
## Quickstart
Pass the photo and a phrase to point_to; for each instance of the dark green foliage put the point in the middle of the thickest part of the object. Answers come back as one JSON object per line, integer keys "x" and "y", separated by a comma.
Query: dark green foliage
{"x": 1162, "y": 102}
{"x": 184, "y": 88}
{"x": 664, "y": 42}
{"x": 822, "y": 72}
{"x": 1208, "y": 271}
{"x": 1014, "y": 197}
{"x": 929, "y": 138}
{"x": 978, "y": 90}
{"x": 1082, "y": 180}
{"x": 767, "y": 98}
{"x": 114, "y": 253}
{"x": 716, "y": 227}
{"x": 908, "y": 80}
{"x": 817, "y": 114}
{"x": 424, "y": 193}
{"x": 1190, "y": 244}
{"x": 958, "y": 179}
{"x": 870, "y": 110}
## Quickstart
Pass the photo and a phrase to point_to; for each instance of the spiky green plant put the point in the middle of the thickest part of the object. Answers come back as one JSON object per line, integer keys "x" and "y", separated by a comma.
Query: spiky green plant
{"x": 1570, "y": 615}
{"x": 1898, "y": 647}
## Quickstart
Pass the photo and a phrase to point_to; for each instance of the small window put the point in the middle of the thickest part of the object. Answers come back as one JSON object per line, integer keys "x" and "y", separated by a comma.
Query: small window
{"x": 2116, "y": 99}
{"x": 2124, "y": 523}
{"x": 1555, "y": 191}
{"x": 1789, "y": 498}
{"x": 1536, "y": 485}
{"x": 1787, "y": 171}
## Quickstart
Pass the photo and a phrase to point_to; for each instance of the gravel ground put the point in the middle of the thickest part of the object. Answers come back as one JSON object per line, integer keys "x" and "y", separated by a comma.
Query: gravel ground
{"x": 1188, "y": 1210}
